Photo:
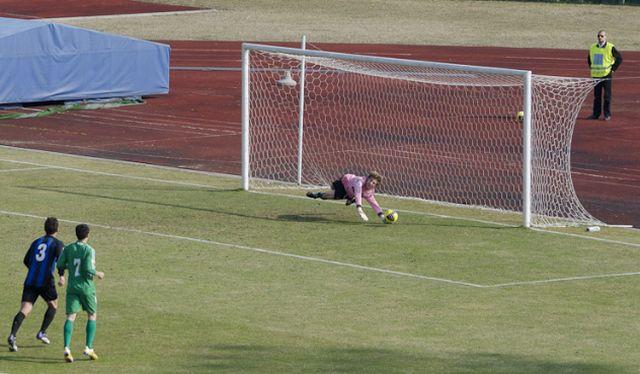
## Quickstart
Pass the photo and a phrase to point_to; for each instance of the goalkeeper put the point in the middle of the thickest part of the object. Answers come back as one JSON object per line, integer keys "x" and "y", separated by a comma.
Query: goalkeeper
{"x": 354, "y": 188}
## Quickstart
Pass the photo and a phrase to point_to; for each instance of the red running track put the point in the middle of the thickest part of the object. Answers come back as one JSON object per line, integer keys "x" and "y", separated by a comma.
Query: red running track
{"x": 78, "y": 8}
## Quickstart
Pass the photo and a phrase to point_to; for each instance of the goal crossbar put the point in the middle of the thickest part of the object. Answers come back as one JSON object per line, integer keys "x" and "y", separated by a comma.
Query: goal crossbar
{"x": 387, "y": 60}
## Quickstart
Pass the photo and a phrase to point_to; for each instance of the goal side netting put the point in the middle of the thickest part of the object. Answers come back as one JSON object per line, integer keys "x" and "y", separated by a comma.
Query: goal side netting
{"x": 438, "y": 132}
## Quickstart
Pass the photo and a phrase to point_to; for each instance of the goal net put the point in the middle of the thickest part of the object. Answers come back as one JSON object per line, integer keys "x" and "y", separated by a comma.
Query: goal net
{"x": 439, "y": 132}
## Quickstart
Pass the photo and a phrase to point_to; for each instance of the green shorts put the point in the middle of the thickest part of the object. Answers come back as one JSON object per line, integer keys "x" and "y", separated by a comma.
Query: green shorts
{"x": 86, "y": 302}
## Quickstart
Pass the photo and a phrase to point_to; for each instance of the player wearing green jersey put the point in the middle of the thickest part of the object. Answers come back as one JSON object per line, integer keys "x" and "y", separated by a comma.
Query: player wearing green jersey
{"x": 80, "y": 259}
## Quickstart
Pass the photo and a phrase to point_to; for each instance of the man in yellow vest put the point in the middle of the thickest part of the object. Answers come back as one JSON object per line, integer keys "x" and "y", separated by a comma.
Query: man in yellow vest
{"x": 603, "y": 60}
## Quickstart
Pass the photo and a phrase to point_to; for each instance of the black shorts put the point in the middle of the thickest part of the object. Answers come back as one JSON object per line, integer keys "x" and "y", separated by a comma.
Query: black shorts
{"x": 31, "y": 293}
{"x": 339, "y": 192}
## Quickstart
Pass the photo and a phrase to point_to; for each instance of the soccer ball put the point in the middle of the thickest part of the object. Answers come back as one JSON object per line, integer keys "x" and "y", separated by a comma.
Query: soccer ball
{"x": 390, "y": 216}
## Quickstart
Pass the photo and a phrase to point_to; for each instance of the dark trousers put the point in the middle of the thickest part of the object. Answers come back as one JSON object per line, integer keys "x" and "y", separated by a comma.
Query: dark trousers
{"x": 605, "y": 86}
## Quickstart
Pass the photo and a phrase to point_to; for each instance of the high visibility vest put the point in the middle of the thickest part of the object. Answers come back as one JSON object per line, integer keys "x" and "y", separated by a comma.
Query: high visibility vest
{"x": 601, "y": 60}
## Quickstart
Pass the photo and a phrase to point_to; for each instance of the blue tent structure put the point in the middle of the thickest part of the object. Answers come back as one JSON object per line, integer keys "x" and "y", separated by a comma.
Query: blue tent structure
{"x": 44, "y": 61}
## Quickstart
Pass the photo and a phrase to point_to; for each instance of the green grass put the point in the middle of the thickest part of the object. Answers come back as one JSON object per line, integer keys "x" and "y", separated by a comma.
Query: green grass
{"x": 417, "y": 22}
{"x": 190, "y": 288}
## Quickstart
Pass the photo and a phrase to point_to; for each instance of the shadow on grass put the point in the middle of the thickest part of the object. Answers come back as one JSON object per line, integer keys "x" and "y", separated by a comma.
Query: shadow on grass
{"x": 251, "y": 358}
{"x": 282, "y": 218}
{"x": 314, "y": 218}
{"x": 308, "y": 218}
{"x": 298, "y": 218}
{"x": 20, "y": 356}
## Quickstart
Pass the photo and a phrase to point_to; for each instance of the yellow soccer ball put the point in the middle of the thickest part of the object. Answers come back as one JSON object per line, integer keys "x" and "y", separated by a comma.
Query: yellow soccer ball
{"x": 520, "y": 116}
{"x": 390, "y": 216}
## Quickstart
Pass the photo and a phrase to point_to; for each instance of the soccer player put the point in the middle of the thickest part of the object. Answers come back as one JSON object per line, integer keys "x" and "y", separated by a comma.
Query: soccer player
{"x": 40, "y": 259}
{"x": 80, "y": 259}
{"x": 354, "y": 188}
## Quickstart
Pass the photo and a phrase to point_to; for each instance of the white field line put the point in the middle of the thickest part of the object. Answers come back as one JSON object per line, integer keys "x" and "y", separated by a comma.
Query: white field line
{"x": 115, "y": 152}
{"x": 119, "y": 162}
{"x": 171, "y": 120}
{"x": 141, "y": 124}
{"x": 255, "y": 249}
{"x": 159, "y": 122}
{"x": 544, "y": 58}
{"x": 110, "y": 174}
{"x": 610, "y": 241}
{"x": 104, "y": 146}
{"x": 616, "y": 179}
{"x": 548, "y": 59}
{"x": 329, "y": 261}
{"x": 399, "y": 210}
{"x": 568, "y": 279}
{"x": 24, "y": 169}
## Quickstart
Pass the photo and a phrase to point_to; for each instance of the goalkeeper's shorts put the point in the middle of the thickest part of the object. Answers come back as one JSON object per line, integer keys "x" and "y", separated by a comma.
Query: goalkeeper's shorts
{"x": 339, "y": 192}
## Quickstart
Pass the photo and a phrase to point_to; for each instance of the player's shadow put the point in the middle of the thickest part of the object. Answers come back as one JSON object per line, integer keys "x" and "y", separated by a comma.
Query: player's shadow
{"x": 284, "y": 217}
{"x": 265, "y": 358}
{"x": 313, "y": 218}
{"x": 158, "y": 203}
{"x": 308, "y": 218}
{"x": 20, "y": 357}
{"x": 32, "y": 346}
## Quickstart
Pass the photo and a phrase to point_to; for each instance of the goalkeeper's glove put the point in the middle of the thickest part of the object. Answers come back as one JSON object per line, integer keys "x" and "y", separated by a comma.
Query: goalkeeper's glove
{"x": 361, "y": 214}
{"x": 382, "y": 217}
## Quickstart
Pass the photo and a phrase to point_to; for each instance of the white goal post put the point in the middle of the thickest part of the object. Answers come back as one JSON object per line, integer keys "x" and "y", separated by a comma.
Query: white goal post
{"x": 480, "y": 136}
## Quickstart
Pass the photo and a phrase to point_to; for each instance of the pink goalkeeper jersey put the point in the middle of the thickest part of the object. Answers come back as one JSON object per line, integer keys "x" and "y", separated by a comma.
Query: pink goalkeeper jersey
{"x": 354, "y": 185}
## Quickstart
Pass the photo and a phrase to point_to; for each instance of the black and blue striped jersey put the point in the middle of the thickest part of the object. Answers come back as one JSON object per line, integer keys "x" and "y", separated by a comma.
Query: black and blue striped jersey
{"x": 41, "y": 260}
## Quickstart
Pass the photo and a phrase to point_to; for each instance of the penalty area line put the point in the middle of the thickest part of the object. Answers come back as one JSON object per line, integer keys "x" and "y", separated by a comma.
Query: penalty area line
{"x": 567, "y": 279}
{"x": 332, "y": 262}
{"x": 260, "y": 250}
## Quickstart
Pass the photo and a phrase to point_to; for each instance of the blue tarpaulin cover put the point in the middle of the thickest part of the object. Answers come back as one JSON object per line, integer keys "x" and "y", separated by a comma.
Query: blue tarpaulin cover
{"x": 44, "y": 61}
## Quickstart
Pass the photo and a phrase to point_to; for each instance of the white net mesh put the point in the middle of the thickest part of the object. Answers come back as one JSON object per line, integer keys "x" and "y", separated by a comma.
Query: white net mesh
{"x": 437, "y": 134}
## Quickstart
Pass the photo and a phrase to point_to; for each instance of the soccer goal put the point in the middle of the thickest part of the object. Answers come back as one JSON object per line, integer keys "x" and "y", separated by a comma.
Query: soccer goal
{"x": 457, "y": 134}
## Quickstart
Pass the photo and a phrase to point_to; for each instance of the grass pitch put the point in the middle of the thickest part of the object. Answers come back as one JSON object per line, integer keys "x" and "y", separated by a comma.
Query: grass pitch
{"x": 202, "y": 277}
{"x": 434, "y": 22}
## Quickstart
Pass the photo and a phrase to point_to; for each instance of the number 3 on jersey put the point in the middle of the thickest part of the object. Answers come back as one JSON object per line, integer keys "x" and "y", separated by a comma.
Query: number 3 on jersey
{"x": 42, "y": 249}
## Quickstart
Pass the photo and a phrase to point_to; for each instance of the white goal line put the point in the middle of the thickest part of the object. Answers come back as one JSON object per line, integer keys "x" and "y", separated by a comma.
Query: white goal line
{"x": 201, "y": 185}
{"x": 307, "y": 258}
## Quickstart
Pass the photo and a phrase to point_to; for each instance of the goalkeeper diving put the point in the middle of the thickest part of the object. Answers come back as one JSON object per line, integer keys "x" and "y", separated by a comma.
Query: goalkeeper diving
{"x": 354, "y": 188}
